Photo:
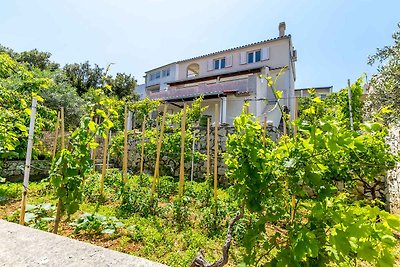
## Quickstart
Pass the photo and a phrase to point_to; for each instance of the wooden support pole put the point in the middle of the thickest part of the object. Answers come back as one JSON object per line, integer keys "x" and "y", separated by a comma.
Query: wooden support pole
{"x": 28, "y": 161}
{"x": 142, "y": 147}
{"x": 125, "y": 155}
{"x": 104, "y": 166}
{"x": 59, "y": 204}
{"x": 192, "y": 165}
{"x": 94, "y": 154}
{"x": 159, "y": 143}
{"x": 109, "y": 144}
{"x": 216, "y": 156}
{"x": 182, "y": 163}
{"x": 62, "y": 129}
{"x": 284, "y": 124}
{"x": 208, "y": 148}
{"x": 350, "y": 107}
{"x": 56, "y": 137}
{"x": 247, "y": 107}
{"x": 296, "y": 110}
{"x": 264, "y": 133}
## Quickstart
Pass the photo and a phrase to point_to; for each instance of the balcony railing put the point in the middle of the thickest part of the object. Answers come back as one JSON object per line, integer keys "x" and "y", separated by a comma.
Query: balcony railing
{"x": 203, "y": 89}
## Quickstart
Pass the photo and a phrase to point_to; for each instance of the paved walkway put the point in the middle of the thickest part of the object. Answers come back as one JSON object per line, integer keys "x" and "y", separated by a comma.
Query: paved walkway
{"x": 24, "y": 246}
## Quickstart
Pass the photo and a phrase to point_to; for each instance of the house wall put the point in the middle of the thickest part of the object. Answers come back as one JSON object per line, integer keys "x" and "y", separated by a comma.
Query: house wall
{"x": 318, "y": 91}
{"x": 162, "y": 80}
{"x": 278, "y": 57}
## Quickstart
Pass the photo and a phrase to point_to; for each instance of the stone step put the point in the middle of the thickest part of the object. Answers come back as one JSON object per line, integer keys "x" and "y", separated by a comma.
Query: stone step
{"x": 25, "y": 246}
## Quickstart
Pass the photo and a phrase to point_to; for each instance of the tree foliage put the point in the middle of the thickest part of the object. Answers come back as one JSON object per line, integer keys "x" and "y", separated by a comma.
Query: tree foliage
{"x": 17, "y": 87}
{"x": 384, "y": 94}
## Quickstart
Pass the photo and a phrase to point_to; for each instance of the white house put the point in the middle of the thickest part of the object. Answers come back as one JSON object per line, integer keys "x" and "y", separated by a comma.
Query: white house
{"x": 229, "y": 78}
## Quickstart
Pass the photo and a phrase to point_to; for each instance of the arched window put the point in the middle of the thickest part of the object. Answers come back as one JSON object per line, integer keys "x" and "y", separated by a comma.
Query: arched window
{"x": 193, "y": 70}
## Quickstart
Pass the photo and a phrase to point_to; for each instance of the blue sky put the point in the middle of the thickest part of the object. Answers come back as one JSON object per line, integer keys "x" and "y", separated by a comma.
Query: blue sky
{"x": 333, "y": 38}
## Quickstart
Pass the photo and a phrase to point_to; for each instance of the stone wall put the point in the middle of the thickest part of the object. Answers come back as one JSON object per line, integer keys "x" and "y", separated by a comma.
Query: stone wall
{"x": 14, "y": 170}
{"x": 169, "y": 164}
{"x": 393, "y": 177}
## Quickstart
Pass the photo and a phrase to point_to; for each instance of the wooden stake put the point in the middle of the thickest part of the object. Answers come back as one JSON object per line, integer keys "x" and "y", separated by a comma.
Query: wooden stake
{"x": 62, "y": 129}
{"x": 56, "y": 137}
{"x": 247, "y": 107}
{"x": 94, "y": 154}
{"x": 296, "y": 110}
{"x": 284, "y": 125}
{"x": 28, "y": 161}
{"x": 182, "y": 163}
{"x": 104, "y": 166}
{"x": 350, "y": 107}
{"x": 157, "y": 165}
{"x": 264, "y": 130}
{"x": 142, "y": 147}
{"x": 192, "y": 165}
{"x": 125, "y": 155}
{"x": 59, "y": 204}
{"x": 208, "y": 148}
{"x": 216, "y": 156}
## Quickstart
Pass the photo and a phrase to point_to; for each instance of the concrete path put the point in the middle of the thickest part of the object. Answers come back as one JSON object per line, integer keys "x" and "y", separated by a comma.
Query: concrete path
{"x": 24, "y": 246}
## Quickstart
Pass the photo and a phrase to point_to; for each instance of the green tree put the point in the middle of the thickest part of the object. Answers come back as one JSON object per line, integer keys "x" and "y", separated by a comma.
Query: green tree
{"x": 384, "y": 86}
{"x": 32, "y": 59}
{"x": 83, "y": 76}
{"x": 123, "y": 85}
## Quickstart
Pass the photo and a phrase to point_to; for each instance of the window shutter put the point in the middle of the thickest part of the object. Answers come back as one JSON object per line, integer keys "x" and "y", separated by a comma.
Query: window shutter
{"x": 264, "y": 53}
{"x": 228, "y": 61}
{"x": 243, "y": 58}
{"x": 210, "y": 65}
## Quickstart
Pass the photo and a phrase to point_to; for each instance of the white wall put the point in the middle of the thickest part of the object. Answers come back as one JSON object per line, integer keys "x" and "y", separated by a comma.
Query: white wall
{"x": 278, "y": 57}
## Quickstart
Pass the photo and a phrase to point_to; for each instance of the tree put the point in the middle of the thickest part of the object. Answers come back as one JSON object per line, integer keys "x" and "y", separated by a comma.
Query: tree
{"x": 123, "y": 85}
{"x": 83, "y": 76}
{"x": 384, "y": 93}
{"x": 32, "y": 59}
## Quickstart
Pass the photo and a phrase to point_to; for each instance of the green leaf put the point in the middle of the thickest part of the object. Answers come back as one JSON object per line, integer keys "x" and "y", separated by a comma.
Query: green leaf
{"x": 92, "y": 126}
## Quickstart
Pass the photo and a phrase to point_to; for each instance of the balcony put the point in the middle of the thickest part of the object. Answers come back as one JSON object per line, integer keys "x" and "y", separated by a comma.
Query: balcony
{"x": 207, "y": 89}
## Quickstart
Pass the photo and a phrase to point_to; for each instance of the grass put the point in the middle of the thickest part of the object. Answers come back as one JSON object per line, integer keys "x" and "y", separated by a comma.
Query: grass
{"x": 159, "y": 237}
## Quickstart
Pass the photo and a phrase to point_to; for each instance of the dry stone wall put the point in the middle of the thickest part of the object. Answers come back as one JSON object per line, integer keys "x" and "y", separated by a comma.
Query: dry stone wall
{"x": 393, "y": 177}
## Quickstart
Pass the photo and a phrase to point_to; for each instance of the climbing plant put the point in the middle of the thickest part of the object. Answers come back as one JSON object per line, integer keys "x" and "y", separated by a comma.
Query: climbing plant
{"x": 300, "y": 189}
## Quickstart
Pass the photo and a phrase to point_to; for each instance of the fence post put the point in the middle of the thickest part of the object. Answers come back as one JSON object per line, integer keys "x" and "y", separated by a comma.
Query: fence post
{"x": 216, "y": 111}
{"x": 182, "y": 163}
{"x": 28, "y": 161}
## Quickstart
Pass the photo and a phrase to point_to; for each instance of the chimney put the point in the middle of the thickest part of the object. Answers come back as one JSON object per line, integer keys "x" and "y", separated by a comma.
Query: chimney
{"x": 282, "y": 28}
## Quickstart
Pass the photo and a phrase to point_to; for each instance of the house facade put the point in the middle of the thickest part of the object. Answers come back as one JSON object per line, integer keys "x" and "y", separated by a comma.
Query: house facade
{"x": 230, "y": 78}
{"x": 319, "y": 91}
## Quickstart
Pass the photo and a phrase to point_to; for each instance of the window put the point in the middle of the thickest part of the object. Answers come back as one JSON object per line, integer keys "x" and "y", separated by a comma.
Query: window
{"x": 193, "y": 70}
{"x": 219, "y": 63}
{"x": 322, "y": 96}
{"x": 254, "y": 56}
{"x": 166, "y": 73}
{"x": 154, "y": 76}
